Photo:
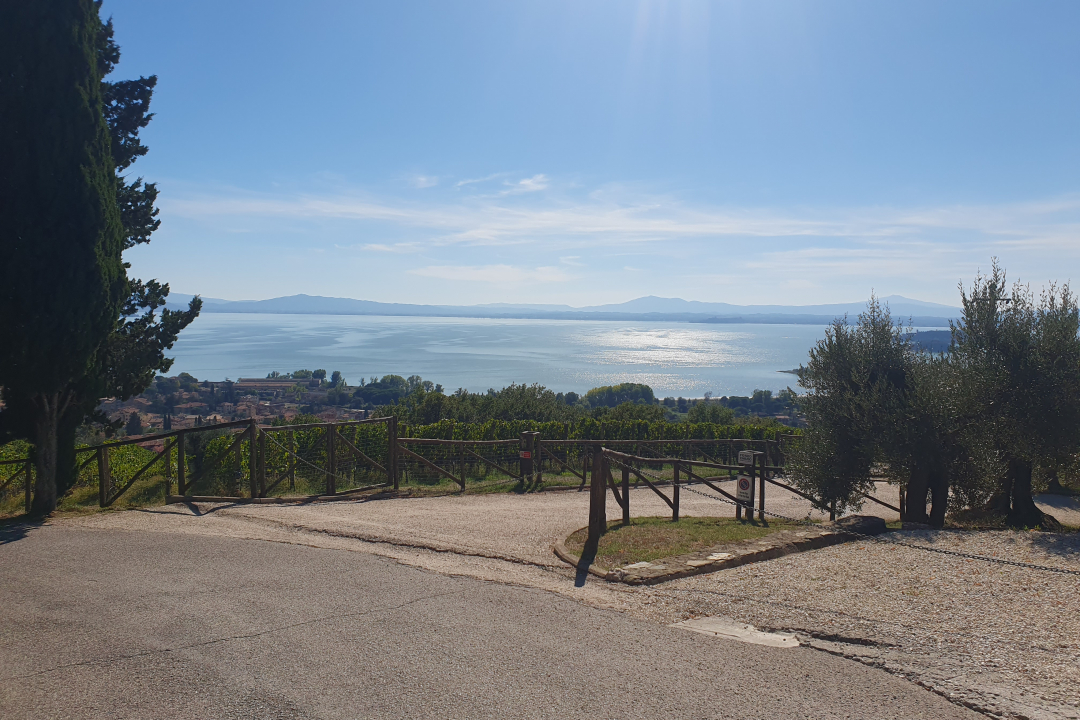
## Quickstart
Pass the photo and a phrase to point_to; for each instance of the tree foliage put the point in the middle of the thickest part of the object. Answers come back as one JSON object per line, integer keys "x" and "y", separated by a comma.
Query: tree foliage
{"x": 1020, "y": 359}
{"x": 710, "y": 412}
{"x": 972, "y": 425}
{"x": 855, "y": 376}
{"x": 515, "y": 402}
{"x": 61, "y": 276}
{"x": 75, "y": 328}
{"x": 614, "y": 395}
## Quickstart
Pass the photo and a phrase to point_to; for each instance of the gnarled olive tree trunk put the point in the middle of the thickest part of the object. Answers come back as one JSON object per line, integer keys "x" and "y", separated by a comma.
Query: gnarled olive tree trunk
{"x": 1014, "y": 501}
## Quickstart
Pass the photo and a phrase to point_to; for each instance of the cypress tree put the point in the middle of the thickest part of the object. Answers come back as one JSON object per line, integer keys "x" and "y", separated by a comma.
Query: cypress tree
{"x": 62, "y": 279}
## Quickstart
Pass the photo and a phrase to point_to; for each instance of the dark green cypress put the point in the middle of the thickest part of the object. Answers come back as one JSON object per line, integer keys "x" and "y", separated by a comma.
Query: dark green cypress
{"x": 61, "y": 275}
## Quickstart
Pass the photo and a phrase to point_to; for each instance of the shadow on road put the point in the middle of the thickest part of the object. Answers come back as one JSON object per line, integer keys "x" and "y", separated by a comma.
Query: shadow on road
{"x": 17, "y": 528}
{"x": 588, "y": 555}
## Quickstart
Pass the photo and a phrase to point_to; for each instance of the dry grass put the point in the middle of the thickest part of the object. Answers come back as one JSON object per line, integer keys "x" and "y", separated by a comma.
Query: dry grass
{"x": 652, "y": 538}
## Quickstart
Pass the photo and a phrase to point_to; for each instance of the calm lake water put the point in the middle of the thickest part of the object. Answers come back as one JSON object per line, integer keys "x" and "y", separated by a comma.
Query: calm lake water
{"x": 566, "y": 355}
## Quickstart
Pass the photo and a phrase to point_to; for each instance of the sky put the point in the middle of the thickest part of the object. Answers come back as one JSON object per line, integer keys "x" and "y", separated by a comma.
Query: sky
{"x": 594, "y": 152}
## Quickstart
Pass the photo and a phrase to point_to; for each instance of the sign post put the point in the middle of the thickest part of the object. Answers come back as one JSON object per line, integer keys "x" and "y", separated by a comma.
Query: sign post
{"x": 525, "y": 458}
{"x": 744, "y": 491}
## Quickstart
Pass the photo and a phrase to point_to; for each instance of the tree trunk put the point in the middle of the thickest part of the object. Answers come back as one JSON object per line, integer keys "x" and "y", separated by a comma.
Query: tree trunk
{"x": 1053, "y": 484}
{"x": 1024, "y": 512}
{"x": 65, "y": 454}
{"x": 1000, "y": 503}
{"x": 46, "y": 443}
{"x": 918, "y": 485}
{"x": 939, "y": 494}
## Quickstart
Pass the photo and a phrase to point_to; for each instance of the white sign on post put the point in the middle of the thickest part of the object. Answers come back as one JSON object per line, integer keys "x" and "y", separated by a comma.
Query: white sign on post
{"x": 744, "y": 488}
{"x": 746, "y": 457}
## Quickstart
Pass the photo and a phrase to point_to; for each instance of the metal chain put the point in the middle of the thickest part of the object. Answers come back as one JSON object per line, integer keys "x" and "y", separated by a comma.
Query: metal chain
{"x": 874, "y": 538}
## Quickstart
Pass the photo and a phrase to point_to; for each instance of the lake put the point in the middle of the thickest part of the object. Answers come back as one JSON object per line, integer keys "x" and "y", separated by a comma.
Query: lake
{"x": 674, "y": 358}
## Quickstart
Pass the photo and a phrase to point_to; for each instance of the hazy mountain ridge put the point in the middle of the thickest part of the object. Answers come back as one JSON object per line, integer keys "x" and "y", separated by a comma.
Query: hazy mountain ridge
{"x": 644, "y": 308}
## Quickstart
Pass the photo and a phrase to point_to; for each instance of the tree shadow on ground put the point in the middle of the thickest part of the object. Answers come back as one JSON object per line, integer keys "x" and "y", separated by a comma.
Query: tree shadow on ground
{"x": 15, "y": 529}
{"x": 1064, "y": 545}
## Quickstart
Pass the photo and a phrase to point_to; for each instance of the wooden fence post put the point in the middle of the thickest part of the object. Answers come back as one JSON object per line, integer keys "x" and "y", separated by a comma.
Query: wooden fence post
{"x": 331, "y": 457}
{"x": 262, "y": 464}
{"x": 538, "y": 462}
{"x": 626, "y": 496}
{"x": 391, "y": 454}
{"x": 29, "y": 483}
{"x": 253, "y": 458}
{"x": 292, "y": 461}
{"x": 525, "y": 463}
{"x": 461, "y": 452}
{"x": 585, "y": 458}
{"x": 598, "y": 494}
{"x": 675, "y": 494}
{"x": 761, "y": 488}
{"x": 168, "y": 471}
{"x": 181, "y": 465}
{"x": 753, "y": 489}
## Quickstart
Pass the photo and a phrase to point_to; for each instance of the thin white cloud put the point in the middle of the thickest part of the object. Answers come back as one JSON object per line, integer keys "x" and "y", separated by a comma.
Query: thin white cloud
{"x": 527, "y": 185}
{"x": 1048, "y": 225}
{"x": 493, "y": 274}
{"x": 574, "y": 260}
{"x": 474, "y": 181}
{"x": 393, "y": 248}
{"x": 424, "y": 181}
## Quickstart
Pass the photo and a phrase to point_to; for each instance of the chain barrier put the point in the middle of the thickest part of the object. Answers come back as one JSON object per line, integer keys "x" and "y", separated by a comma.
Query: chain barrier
{"x": 863, "y": 536}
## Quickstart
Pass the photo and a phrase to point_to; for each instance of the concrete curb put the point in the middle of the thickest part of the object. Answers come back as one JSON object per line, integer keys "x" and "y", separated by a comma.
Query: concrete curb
{"x": 744, "y": 552}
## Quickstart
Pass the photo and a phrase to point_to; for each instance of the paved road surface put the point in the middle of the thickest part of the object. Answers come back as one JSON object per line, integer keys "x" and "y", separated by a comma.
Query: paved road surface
{"x": 130, "y": 624}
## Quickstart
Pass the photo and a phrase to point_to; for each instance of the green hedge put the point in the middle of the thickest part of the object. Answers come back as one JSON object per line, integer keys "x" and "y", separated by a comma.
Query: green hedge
{"x": 591, "y": 429}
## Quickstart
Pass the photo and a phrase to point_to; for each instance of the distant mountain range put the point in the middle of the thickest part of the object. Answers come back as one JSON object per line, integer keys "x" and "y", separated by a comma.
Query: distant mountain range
{"x": 923, "y": 314}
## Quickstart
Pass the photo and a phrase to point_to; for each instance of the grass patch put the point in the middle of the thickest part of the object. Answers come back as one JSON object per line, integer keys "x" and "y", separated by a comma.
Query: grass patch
{"x": 652, "y": 538}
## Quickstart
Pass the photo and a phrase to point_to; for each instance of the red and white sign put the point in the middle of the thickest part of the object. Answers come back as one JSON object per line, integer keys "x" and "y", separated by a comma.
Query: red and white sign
{"x": 744, "y": 489}
{"x": 525, "y": 455}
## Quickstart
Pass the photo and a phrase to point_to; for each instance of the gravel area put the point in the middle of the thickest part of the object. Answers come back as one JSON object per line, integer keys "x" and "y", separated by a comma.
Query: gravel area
{"x": 1001, "y": 639}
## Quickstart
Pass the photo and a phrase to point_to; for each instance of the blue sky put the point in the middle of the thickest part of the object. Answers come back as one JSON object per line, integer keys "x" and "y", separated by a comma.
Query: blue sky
{"x": 591, "y": 152}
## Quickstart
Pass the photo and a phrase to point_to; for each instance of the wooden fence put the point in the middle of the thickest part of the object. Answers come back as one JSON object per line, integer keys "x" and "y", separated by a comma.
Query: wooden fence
{"x": 247, "y": 462}
{"x": 753, "y": 466}
{"x": 20, "y": 469}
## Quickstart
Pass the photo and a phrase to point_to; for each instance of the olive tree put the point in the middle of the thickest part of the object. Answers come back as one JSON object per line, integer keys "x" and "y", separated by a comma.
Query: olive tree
{"x": 857, "y": 378}
{"x": 1020, "y": 363}
{"x": 875, "y": 404}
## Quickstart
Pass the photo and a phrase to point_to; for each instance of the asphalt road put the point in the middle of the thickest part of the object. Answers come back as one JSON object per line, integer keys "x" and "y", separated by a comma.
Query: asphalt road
{"x": 129, "y": 624}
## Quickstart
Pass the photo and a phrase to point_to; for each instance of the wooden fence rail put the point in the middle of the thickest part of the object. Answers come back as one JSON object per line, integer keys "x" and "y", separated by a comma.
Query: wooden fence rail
{"x": 337, "y": 458}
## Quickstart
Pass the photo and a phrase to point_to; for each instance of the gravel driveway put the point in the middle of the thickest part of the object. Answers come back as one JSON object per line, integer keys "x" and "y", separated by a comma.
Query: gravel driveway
{"x": 1003, "y": 640}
